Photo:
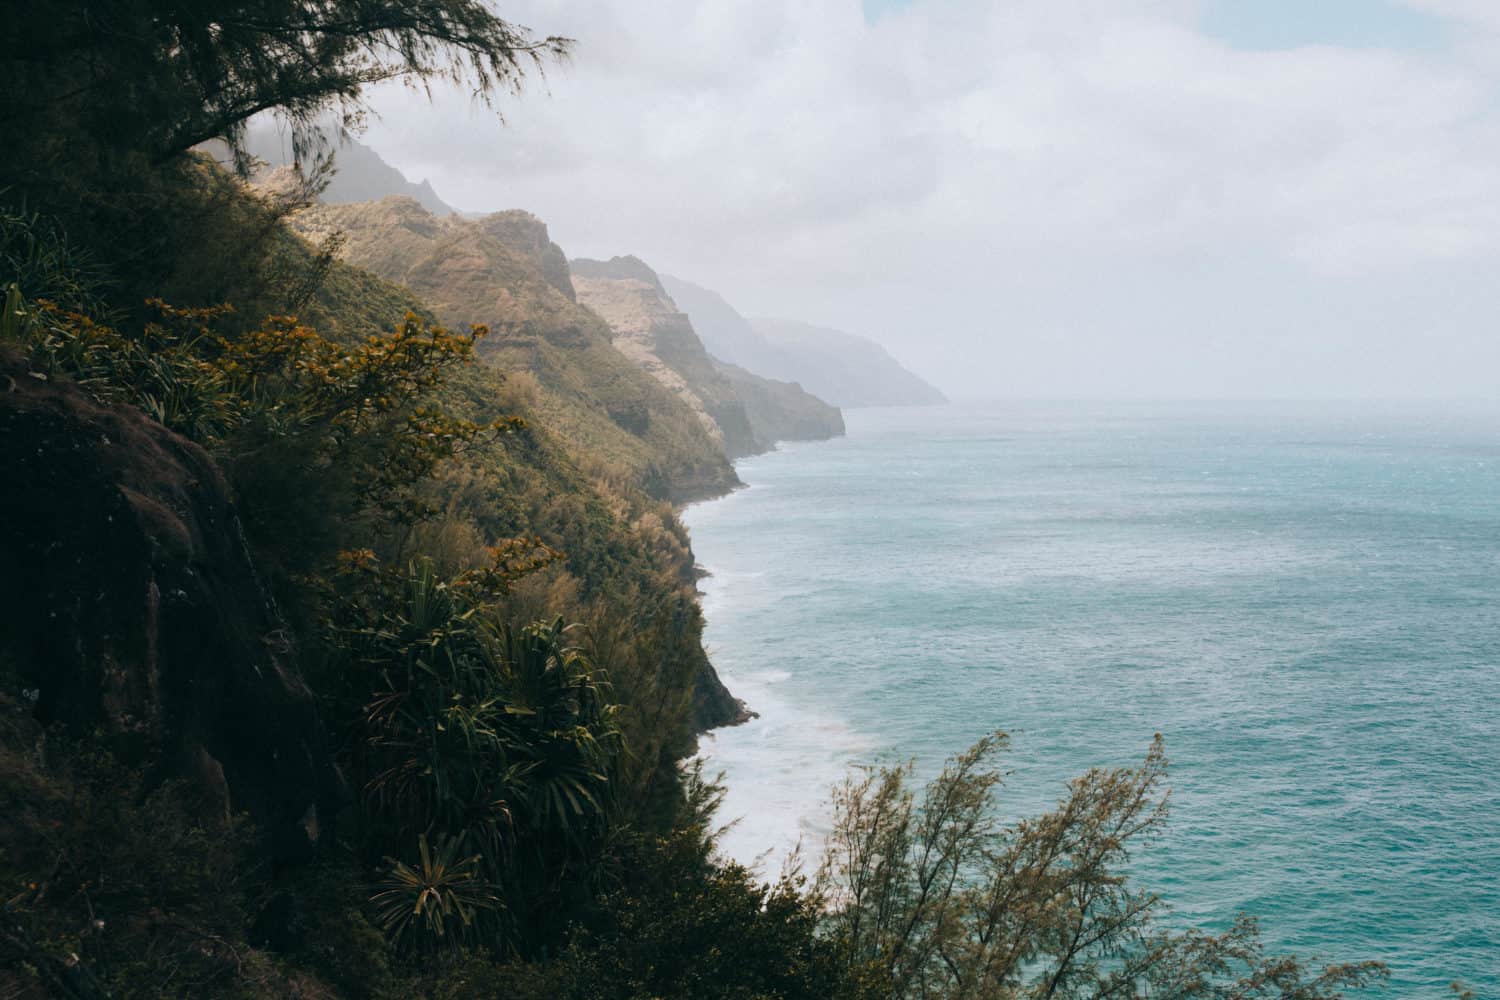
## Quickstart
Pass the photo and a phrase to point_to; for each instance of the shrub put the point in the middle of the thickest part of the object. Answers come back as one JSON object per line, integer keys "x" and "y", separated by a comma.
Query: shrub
{"x": 314, "y": 435}
{"x": 937, "y": 899}
{"x": 497, "y": 745}
{"x": 114, "y": 883}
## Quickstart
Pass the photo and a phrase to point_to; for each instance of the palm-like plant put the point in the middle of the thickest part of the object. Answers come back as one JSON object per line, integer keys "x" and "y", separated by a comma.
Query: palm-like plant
{"x": 565, "y": 736}
{"x": 437, "y": 739}
{"x": 498, "y": 742}
{"x": 437, "y": 901}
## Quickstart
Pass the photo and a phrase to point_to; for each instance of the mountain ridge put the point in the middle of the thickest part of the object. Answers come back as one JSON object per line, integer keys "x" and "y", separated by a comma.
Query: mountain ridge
{"x": 359, "y": 174}
{"x": 503, "y": 271}
{"x": 843, "y": 368}
{"x": 746, "y": 412}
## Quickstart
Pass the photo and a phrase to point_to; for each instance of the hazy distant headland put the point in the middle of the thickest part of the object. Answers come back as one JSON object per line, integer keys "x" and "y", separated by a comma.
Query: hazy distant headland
{"x": 845, "y": 369}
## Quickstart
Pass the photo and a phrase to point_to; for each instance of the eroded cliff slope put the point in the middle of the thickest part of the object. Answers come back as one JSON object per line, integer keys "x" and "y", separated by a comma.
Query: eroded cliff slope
{"x": 747, "y": 413}
{"x": 502, "y": 271}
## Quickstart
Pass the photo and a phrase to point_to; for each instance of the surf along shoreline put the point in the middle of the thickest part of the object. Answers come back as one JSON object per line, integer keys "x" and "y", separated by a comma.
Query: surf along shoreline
{"x": 780, "y": 763}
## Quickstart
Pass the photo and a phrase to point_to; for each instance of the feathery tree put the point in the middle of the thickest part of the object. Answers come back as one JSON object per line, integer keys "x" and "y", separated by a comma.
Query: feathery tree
{"x": 935, "y": 898}
{"x": 102, "y": 101}
{"x": 159, "y": 78}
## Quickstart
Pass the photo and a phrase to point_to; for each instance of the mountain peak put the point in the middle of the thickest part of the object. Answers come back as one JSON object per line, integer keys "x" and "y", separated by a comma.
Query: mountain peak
{"x": 626, "y": 268}
{"x": 359, "y": 172}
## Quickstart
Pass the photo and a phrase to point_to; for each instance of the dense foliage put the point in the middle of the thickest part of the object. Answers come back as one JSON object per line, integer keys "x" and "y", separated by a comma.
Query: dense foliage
{"x": 157, "y": 79}
{"x": 496, "y": 744}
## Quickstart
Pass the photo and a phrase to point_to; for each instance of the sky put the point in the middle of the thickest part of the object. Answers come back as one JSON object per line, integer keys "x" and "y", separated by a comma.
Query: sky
{"x": 1029, "y": 198}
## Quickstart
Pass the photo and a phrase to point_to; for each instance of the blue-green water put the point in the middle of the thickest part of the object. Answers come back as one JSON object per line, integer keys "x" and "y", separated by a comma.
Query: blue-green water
{"x": 1305, "y": 600}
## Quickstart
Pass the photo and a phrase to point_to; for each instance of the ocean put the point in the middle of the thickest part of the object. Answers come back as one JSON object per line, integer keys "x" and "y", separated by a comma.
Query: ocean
{"x": 1304, "y": 599}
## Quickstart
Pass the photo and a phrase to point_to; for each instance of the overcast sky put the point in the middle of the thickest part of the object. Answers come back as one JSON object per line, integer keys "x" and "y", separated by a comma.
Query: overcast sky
{"x": 1059, "y": 198}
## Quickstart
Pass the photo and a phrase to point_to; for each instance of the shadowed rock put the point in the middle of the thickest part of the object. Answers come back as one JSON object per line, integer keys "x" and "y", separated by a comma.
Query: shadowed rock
{"x": 132, "y": 608}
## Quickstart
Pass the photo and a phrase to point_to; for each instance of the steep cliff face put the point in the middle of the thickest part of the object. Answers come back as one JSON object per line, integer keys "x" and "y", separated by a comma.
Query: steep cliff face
{"x": 748, "y": 414}
{"x": 603, "y": 410}
{"x": 527, "y": 235}
{"x": 133, "y": 608}
{"x": 504, "y": 272}
{"x": 782, "y": 411}
{"x": 842, "y": 368}
{"x": 650, "y": 331}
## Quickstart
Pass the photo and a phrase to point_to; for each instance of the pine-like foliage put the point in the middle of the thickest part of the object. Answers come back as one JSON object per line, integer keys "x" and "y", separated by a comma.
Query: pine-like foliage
{"x": 931, "y": 896}
{"x": 159, "y": 78}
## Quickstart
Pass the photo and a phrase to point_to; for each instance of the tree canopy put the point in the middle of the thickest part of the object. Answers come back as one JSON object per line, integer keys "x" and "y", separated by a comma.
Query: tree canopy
{"x": 931, "y": 896}
{"x": 159, "y": 78}
{"x": 102, "y": 103}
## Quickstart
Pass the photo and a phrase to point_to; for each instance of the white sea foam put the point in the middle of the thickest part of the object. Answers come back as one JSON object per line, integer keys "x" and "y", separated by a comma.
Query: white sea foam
{"x": 779, "y": 770}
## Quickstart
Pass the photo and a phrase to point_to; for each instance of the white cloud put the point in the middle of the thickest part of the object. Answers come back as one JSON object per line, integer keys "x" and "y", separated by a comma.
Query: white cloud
{"x": 1068, "y": 191}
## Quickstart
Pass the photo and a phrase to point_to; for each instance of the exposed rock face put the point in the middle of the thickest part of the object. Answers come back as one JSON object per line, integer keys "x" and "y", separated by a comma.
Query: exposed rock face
{"x": 527, "y": 235}
{"x": 845, "y": 369}
{"x": 503, "y": 271}
{"x": 713, "y": 706}
{"x": 650, "y": 331}
{"x": 132, "y": 607}
{"x": 744, "y": 412}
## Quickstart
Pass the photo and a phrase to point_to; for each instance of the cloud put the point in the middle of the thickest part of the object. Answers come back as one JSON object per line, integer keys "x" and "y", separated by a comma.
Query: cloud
{"x": 1067, "y": 191}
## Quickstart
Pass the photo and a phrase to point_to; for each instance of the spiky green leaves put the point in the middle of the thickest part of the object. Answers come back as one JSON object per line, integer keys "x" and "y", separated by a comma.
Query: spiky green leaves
{"x": 498, "y": 743}
{"x": 435, "y": 902}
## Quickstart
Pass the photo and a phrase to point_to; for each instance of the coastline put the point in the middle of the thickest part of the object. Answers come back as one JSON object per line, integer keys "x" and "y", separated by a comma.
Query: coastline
{"x": 1085, "y": 577}
{"x": 719, "y": 707}
{"x": 776, "y": 794}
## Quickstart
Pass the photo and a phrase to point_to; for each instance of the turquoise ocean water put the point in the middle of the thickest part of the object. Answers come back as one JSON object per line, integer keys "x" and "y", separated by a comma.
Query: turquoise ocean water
{"x": 1304, "y": 599}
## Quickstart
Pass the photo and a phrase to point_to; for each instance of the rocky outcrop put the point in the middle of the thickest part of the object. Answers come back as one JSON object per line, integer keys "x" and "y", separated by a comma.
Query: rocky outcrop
{"x": 744, "y": 412}
{"x": 714, "y": 707}
{"x": 132, "y": 608}
{"x": 527, "y": 235}
{"x": 844, "y": 369}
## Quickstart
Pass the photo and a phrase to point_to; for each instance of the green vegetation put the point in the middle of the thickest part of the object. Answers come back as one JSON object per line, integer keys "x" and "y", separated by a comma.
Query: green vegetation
{"x": 503, "y": 271}
{"x": 419, "y": 528}
{"x": 498, "y": 744}
{"x": 936, "y": 898}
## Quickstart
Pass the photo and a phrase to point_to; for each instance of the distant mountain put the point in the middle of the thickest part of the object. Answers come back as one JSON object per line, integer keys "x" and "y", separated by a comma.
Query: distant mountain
{"x": 745, "y": 412}
{"x": 781, "y": 411}
{"x": 845, "y": 366}
{"x": 360, "y": 173}
{"x": 842, "y": 368}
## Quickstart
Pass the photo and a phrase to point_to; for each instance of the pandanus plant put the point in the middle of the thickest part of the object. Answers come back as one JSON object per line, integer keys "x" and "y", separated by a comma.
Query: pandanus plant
{"x": 498, "y": 743}
{"x": 567, "y": 739}
{"x": 437, "y": 740}
{"x": 435, "y": 902}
